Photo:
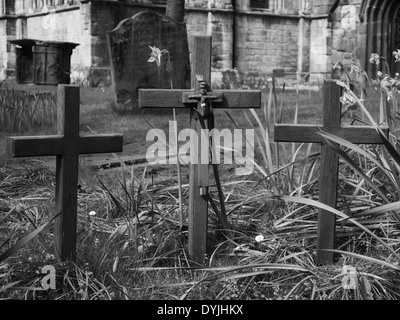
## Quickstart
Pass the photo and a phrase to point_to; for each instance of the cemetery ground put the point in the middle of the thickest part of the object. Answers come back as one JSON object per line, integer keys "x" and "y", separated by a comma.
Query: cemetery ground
{"x": 130, "y": 244}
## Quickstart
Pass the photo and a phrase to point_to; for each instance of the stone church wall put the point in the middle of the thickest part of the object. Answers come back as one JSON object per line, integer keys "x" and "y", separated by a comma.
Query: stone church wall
{"x": 70, "y": 26}
{"x": 295, "y": 35}
{"x": 348, "y": 36}
{"x": 266, "y": 43}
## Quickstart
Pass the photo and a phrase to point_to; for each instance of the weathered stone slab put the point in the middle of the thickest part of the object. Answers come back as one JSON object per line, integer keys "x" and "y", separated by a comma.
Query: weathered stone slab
{"x": 129, "y": 48}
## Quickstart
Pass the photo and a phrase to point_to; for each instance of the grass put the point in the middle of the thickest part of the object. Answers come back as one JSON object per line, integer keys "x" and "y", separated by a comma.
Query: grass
{"x": 133, "y": 246}
{"x": 24, "y": 110}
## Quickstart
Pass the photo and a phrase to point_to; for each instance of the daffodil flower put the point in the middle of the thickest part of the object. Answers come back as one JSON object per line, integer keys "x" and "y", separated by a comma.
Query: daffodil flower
{"x": 375, "y": 58}
{"x": 348, "y": 101}
{"x": 338, "y": 65}
{"x": 396, "y": 55}
{"x": 155, "y": 56}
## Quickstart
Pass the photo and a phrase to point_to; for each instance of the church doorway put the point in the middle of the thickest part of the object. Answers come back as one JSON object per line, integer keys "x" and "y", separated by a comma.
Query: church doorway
{"x": 382, "y": 19}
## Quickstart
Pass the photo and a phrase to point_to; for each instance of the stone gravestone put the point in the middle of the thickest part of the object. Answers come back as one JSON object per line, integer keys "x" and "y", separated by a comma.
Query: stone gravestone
{"x": 129, "y": 49}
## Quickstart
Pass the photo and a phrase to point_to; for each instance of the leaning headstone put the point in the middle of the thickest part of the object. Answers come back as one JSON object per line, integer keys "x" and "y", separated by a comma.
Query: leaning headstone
{"x": 129, "y": 49}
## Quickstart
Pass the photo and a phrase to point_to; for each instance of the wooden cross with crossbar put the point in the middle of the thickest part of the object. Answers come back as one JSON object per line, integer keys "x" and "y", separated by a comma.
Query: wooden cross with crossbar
{"x": 198, "y": 100}
{"x": 67, "y": 145}
{"x": 328, "y": 181}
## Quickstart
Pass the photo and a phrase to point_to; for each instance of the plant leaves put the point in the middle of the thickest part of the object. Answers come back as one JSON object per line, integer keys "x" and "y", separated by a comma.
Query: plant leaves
{"x": 327, "y": 208}
{"x": 22, "y": 242}
{"x": 368, "y": 259}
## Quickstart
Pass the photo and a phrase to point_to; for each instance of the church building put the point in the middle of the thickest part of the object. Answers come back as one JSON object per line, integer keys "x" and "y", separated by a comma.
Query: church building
{"x": 302, "y": 37}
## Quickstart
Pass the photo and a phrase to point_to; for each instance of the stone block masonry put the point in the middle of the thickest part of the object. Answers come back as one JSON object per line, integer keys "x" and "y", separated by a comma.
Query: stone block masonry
{"x": 319, "y": 55}
{"x": 62, "y": 23}
{"x": 7, "y": 60}
{"x": 66, "y": 26}
{"x": 348, "y": 35}
{"x": 266, "y": 43}
{"x": 298, "y": 36}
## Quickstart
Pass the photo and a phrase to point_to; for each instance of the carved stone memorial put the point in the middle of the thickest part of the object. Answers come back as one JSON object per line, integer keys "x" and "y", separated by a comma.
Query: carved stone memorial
{"x": 129, "y": 47}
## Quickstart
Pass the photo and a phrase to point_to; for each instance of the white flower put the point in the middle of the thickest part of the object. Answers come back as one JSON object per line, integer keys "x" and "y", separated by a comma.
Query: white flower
{"x": 348, "y": 101}
{"x": 259, "y": 238}
{"x": 155, "y": 56}
{"x": 49, "y": 256}
{"x": 396, "y": 55}
{"x": 375, "y": 58}
{"x": 338, "y": 65}
{"x": 92, "y": 213}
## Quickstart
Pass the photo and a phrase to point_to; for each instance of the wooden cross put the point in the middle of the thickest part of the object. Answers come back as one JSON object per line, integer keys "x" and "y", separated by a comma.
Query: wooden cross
{"x": 197, "y": 99}
{"x": 329, "y": 160}
{"x": 67, "y": 145}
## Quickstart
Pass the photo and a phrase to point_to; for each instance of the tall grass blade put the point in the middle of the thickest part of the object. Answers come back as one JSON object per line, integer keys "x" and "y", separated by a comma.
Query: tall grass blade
{"x": 116, "y": 202}
{"x": 383, "y": 209}
{"x": 8, "y": 286}
{"x": 178, "y": 167}
{"x": 381, "y": 110}
{"x": 22, "y": 242}
{"x": 392, "y": 151}
{"x": 351, "y": 146}
{"x": 355, "y": 167}
{"x": 264, "y": 144}
{"x": 366, "y": 258}
{"x": 327, "y": 208}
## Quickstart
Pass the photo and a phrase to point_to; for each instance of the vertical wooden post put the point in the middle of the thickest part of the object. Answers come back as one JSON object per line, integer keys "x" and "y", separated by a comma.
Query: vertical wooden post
{"x": 67, "y": 145}
{"x": 329, "y": 160}
{"x": 198, "y": 205}
{"x": 67, "y": 174}
{"x": 199, "y": 101}
{"x": 328, "y": 174}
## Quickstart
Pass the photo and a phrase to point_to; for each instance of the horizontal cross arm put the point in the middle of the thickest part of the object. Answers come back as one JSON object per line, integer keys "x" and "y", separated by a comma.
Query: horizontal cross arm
{"x": 162, "y": 98}
{"x": 230, "y": 99}
{"x": 239, "y": 99}
{"x": 101, "y": 143}
{"x": 37, "y": 146}
{"x": 308, "y": 133}
{"x": 297, "y": 133}
{"x": 34, "y": 146}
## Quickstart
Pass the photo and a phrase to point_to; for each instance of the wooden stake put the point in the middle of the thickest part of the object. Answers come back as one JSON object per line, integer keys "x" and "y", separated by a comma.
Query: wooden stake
{"x": 198, "y": 176}
{"x": 67, "y": 145}
{"x": 329, "y": 161}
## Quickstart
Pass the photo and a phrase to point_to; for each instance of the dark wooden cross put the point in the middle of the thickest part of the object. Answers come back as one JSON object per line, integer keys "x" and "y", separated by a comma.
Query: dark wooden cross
{"x": 198, "y": 100}
{"x": 329, "y": 160}
{"x": 67, "y": 145}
